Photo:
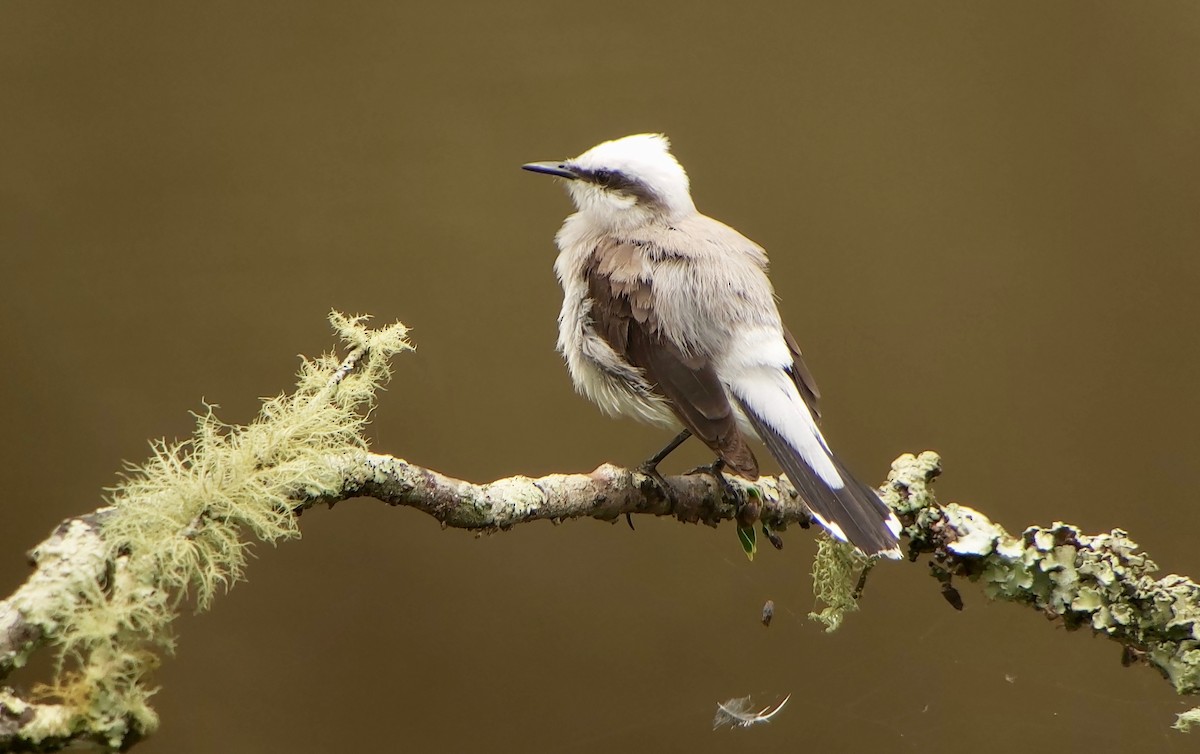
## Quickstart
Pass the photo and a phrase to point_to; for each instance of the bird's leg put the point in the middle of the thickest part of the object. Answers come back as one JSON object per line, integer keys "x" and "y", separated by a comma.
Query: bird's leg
{"x": 649, "y": 467}
{"x": 728, "y": 491}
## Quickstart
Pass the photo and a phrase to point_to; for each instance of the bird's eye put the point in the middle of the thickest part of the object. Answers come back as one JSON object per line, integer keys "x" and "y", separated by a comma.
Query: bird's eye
{"x": 602, "y": 177}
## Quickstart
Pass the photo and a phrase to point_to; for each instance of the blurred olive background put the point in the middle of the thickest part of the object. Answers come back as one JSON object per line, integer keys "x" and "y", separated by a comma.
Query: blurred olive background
{"x": 983, "y": 221}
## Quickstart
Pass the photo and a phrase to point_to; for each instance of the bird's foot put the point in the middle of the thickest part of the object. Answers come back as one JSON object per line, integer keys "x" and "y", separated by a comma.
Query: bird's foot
{"x": 732, "y": 495}
{"x": 650, "y": 470}
{"x": 747, "y": 503}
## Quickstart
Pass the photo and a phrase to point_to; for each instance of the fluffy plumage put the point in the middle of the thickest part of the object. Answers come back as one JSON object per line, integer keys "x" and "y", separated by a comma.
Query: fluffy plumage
{"x": 668, "y": 317}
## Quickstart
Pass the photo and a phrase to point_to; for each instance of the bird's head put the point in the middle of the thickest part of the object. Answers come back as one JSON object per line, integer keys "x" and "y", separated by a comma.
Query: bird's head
{"x": 625, "y": 182}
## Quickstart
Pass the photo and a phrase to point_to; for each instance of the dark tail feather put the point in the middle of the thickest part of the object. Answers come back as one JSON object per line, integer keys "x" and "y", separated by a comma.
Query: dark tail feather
{"x": 855, "y": 509}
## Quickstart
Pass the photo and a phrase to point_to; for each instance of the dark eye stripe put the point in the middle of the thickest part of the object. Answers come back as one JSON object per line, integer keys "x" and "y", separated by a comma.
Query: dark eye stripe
{"x": 615, "y": 180}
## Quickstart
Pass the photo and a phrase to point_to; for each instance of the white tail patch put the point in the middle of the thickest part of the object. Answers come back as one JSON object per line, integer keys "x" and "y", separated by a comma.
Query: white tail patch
{"x": 893, "y": 524}
{"x": 770, "y": 393}
{"x": 830, "y": 527}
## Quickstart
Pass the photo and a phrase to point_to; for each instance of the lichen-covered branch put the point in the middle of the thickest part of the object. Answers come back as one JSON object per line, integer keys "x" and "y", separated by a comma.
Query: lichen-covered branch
{"x": 76, "y": 595}
{"x": 607, "y": 493}
{"x": 107, "y": 585}
{"x": 1098, "y": 582}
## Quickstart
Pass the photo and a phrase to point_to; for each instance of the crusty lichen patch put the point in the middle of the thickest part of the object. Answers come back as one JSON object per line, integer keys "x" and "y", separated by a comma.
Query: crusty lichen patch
{"x": 1185, "y": 720}
{"x": 1101, "y": 582}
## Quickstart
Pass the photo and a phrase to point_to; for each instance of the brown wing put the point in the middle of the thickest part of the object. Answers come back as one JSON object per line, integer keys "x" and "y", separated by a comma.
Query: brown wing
{"x": 802, "y": 377}
{"x": 622, "y": 313}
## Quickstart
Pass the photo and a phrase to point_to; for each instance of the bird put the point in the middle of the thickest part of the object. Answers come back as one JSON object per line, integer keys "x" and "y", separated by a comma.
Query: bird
{"x": 669, "y": 318}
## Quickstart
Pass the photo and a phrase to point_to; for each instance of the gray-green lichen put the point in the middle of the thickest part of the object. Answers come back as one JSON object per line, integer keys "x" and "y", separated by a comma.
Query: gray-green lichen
{"x": 38, "y": 609}
{"x": 837, "y": 568}
{"x": 1100, "y": 582}
{"x": 38, "y": 724}
{"x": 180, "y": 524}
{"x": 1185, "y": 720}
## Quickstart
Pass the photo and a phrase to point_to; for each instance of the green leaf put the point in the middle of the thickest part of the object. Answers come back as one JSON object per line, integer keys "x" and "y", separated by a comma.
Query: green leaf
{"x": 749, "y": 540}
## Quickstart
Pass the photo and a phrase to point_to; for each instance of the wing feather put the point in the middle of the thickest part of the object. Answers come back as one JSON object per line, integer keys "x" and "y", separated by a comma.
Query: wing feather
{"x": 805, "y": 382}
{"x": 621, "y": 310}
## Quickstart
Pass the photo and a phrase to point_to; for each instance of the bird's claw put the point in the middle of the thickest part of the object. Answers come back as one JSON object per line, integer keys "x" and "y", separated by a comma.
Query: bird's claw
{"x": 650, "y": 470}
{"x": 731, "y": 493}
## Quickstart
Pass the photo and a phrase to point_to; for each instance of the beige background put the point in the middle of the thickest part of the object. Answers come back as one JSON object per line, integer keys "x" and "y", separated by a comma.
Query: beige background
{"x": 984, "y": 220}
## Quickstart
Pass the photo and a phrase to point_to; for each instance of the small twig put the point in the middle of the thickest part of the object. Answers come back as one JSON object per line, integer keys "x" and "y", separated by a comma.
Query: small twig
{"x": 347, "y": 366}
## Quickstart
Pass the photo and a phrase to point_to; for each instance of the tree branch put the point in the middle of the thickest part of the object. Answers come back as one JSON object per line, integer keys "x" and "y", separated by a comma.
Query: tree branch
{"x": 106, "y": 585}
{"x": 606, "y": 494}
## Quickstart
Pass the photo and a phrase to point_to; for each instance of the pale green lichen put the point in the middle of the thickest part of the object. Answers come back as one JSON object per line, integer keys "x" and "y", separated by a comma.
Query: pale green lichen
{"x": 909, "y": 489}
{"x": 520, "y": 496}
{"x": 1101, "y": 582}
{"x": 181, "y": 524}
{"x": 837, "y": 569}
{"x": 977, "y": 535}
{"x": 1185, "y": 720}
{"x": 47, "y": 722}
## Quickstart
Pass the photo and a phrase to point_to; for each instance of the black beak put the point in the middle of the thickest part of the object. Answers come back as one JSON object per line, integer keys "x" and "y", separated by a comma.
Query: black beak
{"x": 559, "y": 169}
